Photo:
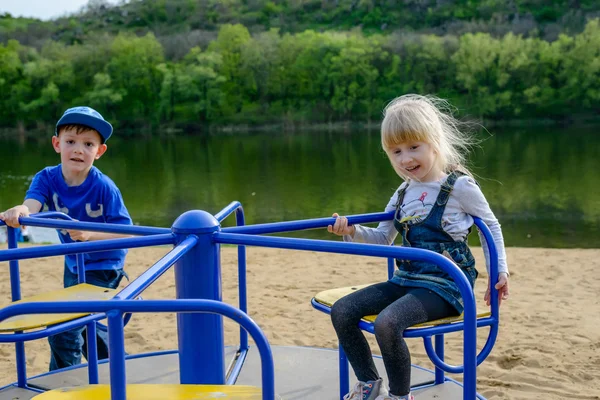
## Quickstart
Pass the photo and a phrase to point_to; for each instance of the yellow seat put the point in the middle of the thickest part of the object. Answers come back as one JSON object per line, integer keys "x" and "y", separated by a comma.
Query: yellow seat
{"x": 156, "y": 392}
{"x": 328, "y": 297}
{"x": 82, "y": 291}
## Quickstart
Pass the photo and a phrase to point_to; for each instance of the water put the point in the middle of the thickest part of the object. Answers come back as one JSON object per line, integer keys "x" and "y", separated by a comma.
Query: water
{"x": 541, "y": 183}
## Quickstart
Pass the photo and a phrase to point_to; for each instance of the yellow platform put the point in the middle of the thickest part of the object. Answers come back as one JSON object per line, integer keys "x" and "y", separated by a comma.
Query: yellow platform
{"x": 82, "y": 291}
{"x": 156, "y": 392}
{"x": 328, "y": 297}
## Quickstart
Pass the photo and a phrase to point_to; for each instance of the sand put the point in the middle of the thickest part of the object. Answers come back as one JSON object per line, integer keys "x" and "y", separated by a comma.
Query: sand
{"x": 548, "y": 346}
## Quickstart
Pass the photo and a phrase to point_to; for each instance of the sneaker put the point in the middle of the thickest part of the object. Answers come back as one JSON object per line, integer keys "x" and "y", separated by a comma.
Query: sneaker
{"x": 369, "y": 390}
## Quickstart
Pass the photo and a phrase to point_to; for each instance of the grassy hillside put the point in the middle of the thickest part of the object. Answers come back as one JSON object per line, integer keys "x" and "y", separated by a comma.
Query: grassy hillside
{"x": 233, "y": 62}
{"x": 187, "y": 23}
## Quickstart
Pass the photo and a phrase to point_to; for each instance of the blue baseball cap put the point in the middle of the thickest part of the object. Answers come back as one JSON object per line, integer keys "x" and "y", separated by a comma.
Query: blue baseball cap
{"x": 86, "y": 116}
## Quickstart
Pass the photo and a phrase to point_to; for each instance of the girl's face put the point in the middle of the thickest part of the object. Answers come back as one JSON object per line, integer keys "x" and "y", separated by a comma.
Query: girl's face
{"x": 415, "y": 160}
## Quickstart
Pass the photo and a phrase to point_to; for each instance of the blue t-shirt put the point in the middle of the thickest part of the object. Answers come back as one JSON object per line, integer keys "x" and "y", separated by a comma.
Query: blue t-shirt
{"x": 97, "y": 199}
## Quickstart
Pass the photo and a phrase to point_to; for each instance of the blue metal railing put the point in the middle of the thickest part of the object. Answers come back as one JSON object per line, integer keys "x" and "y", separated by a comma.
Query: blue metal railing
{"x": 426, "y": 333}
{"x": 15, "y": 288}
{"x": 86, "y": 247}
{"x": 288, "y": 226}
{"x": 236, "y": 366}
{"x": 48, "y": 220}
{"x": 470, "y": 315}
{"x": 436, "y": 354}
{"x": 115, "y": 310}
{"x": 197, "y": 236}
{"x": 136, "y": 287}
{"x": 59, "y": 220}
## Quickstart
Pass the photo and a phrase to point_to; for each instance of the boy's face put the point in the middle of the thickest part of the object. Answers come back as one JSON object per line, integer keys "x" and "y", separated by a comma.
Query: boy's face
{"x": 78, "y": 151}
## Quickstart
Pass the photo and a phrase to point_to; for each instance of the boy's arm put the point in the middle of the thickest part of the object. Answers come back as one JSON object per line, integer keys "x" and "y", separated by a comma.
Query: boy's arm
{"x": 85, "y": 236}
{"x": 11, "y": 216}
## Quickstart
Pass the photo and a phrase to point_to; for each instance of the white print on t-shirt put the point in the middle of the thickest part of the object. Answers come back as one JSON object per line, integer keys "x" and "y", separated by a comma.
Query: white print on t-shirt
{"x": 88, "y": 208}
{"x": 93, "y": 213}
{"x": 415, "y": 210}
{"x": 59, "y": 208}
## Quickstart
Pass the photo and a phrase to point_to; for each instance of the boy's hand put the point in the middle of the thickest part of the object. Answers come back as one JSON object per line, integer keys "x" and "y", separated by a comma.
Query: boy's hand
{"x": 11, "y": 216}
{"x": 501, "y": 286}
{"x": 341, "y": 227}
{"x": 79, "y": 236}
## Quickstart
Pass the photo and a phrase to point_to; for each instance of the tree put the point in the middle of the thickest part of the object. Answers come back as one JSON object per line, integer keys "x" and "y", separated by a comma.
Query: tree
{"x": 580, "y": 70}
{"x": 134, "y": 72}
{"x": 103, "y": 96}
{"x": 46, "y": 106}
{"x": 11, "y": 75}
{"x": 50, "y": 77}
{"x": 354, "y": 78}
{"x": 193, "y": 90}
{"x": 229, "y": 45}
{"x": 261, "y": 63}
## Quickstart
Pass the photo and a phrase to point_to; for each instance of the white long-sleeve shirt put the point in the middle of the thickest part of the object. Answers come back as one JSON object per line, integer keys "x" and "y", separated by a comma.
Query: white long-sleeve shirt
{"x": 466, "y": 200}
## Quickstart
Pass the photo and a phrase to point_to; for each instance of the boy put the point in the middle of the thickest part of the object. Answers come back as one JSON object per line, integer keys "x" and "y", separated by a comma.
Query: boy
{"x": 77, "y": 188}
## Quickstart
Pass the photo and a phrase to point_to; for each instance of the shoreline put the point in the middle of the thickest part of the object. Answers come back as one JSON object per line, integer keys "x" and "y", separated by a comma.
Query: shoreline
{"x": 178, "y": 129}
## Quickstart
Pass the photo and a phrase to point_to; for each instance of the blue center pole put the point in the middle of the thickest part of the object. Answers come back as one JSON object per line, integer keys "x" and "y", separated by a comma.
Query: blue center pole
{"x": 198, "y": 276}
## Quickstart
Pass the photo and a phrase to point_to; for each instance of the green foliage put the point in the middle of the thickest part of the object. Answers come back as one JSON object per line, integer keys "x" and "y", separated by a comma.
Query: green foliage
{"x": 516, "y": 77}
{"x": 424, "y": 67}
{"x": 11, "y": 70}
{"x": 229, "y": 45}
{"x": 311, "y": 76}
{"x": 46, "y": 104}
{"x": 580, "y": 70}
{"x": 199, "y": 87}
{"x": 354, "y": 79}
{"x": 102, "y": 96}
{"x": 170, "y": 17}
{"x": 133, "y": 70}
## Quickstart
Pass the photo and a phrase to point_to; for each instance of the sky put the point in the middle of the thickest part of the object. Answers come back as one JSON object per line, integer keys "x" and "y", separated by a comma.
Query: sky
{"x": 42, "y": 9}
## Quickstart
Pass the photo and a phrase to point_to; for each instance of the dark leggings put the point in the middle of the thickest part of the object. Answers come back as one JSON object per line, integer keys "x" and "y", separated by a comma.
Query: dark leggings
{"x": 398, "y": 308}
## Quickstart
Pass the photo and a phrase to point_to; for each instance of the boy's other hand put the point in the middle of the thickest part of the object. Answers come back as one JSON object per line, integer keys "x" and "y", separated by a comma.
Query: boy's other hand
{"x": 11, "y": 216}
{"x": 79, "y": 236}
{"x": 341, "y": 226}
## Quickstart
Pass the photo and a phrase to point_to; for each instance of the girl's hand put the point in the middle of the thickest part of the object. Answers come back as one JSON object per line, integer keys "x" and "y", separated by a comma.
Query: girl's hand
{"x": 341, "y": 227}
{"x": 501, "y": 286}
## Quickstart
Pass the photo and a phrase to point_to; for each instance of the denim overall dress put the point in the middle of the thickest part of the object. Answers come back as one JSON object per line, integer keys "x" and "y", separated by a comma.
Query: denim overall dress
{"x": 428, "y": 234}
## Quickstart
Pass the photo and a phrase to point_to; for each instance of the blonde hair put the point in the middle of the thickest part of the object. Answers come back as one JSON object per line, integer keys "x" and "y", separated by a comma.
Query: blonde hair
{"x": 429, "y": 119}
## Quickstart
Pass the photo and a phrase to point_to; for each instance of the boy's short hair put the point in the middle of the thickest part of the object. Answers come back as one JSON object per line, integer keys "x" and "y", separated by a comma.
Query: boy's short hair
{"x": 78, "y": 128}
{"x": 85, "y": 117}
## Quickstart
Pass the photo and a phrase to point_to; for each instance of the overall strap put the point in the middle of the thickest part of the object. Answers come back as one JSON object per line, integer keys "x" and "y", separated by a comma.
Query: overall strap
{"x": 397, "y": 224}
{"x": 401, "y": 193}
{"x": 447, "y": 187}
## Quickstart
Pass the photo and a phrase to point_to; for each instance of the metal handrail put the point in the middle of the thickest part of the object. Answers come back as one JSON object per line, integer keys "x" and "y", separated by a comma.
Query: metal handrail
{"x": 116, "y": 308}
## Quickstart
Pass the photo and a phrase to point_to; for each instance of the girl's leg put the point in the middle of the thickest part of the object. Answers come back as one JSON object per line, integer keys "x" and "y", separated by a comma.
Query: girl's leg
{"x": 417, "y": 306}
{"x": 345, "y": 316}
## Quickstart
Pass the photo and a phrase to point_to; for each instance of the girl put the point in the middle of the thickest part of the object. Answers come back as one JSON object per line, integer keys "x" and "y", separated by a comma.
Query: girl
{"x": 434, "y": 208}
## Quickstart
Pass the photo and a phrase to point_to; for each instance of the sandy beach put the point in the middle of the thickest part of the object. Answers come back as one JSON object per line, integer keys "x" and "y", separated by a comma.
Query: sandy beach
{"x": 548, "y": 346}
